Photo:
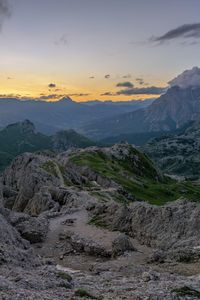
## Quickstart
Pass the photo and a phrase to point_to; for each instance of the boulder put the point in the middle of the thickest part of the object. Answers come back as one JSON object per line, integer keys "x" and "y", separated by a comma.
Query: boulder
{"x": 122, "y": 244}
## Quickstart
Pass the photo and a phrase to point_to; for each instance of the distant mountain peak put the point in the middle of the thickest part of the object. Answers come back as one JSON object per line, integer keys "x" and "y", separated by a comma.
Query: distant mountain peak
{"x": 189, "y": 78}
{"x": 65, "y": 100}
{"x": 25, "y": 126}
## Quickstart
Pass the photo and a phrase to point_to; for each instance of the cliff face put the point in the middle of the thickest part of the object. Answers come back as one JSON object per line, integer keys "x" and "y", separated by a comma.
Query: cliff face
{"x": 169, "y": 112}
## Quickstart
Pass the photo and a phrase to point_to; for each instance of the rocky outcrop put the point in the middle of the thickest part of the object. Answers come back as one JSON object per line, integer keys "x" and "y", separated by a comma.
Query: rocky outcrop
{"x": 13, "y": 249}
{"x": 174, "y": 225}
{"x": 77, "y": 244}
{"x": 121, "y": 245}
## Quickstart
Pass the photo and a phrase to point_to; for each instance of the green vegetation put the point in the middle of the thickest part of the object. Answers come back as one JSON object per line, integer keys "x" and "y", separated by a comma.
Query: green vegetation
{"x": 70, "y": 137}
{"x": 50, "y": 167}
{"x": 22, "y": 137}
{"x": 64, "y": 276}
{"x": 98, "y": 222}
{"x": 187, "y": 291}
{"x": 137, "y": 175}
{"x": 84, "y": 293}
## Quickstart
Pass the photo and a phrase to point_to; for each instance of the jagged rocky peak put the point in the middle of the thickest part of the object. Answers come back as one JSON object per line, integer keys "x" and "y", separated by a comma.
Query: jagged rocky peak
{"x": 25, "y": 127}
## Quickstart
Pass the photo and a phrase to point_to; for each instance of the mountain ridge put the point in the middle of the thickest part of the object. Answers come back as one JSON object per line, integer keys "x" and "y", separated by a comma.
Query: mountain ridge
{"x": 170, "y": 111}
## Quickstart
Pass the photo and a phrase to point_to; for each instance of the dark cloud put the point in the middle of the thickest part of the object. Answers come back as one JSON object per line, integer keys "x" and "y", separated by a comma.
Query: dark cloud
{"x": 126, "y": 84}
{"x": 108, "y": 94}
{"x": 186, "y": 31}
{"x": 52, "y": 85}
{"x": 62, "y": 41}
{"x": 49, "y": 97}
{"x": 140, "y": 81}
{"x": 153, "y": 90}
{"x": 91, "y": 77}
{"x": 10, "y": 96}
{"x": 5, "y": 11}
{"x": 127, "y": 76}
{"x": 78, "y": 95}
{"x": 107, "y": 76}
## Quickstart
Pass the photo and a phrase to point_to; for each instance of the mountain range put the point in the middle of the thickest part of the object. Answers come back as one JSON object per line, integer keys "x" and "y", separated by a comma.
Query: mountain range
{"x": 50, "y": 117}
{"x": 167, "y": 113}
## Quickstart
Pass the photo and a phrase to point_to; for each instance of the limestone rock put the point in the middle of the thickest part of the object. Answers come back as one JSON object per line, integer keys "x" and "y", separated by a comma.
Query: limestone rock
{"x": 122, "y": 244}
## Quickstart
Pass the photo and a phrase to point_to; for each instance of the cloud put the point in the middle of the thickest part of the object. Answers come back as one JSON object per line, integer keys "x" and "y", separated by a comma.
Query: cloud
{"x": 127, "y": 76}
{"x": 5, "y": 11}
{"x": 50, "y": 97}
{"x": 153, "y": 90}
{"x": 107, "y": 76}
{"x": 91, "y": 77}
{"x": 126, "y": 84}
{"x": 140, "y": 81}
{"x": 108, "y": 94}
{"x": 52, "y": 85}
{"x": 187, "y": 78}
{"x": 78, "y": 95}
{"x": 62, "y": 41}
{"x": 186, "y": 31}
{"x": 10, "y": 96}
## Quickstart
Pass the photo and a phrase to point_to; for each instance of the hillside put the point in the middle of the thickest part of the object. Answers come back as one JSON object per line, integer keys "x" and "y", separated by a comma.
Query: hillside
{"x": 170, "y": 111}
{"x": 178, "y": 153}
{"x": 22, "y": 137}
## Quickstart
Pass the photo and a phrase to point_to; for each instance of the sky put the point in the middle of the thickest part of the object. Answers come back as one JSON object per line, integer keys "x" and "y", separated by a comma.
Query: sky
{"x": 96, "y": 49}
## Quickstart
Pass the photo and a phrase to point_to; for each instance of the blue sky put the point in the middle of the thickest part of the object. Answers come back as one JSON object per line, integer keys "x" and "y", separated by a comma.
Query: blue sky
{"x": 68, "y": 42}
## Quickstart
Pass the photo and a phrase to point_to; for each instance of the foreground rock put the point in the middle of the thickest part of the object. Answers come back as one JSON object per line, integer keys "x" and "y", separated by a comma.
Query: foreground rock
{"x": 171, "y": 226}
{"x": 121, "y": 245}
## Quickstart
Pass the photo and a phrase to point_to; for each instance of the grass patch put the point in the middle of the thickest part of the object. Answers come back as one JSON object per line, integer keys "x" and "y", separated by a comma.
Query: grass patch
{"x": 140, "y": 180}
{"x": 187, "y": 291}
{"x": 64, "y": 276}
{"x": 98, "y": 222}
{"x": 84, "y": 293}
{"x": 50, "y": 167}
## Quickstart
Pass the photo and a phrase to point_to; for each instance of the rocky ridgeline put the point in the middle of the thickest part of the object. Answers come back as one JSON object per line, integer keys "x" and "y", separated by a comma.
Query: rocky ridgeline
{"x": 71, "y": 229}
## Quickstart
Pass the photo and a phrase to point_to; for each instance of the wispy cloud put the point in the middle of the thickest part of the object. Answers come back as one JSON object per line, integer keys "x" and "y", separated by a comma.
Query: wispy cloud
{"x": 127, "y": 76}
{"x": 62, "y": 40}
{"x": 5, "y": 11}
{"x": 153, "y": 90}
{"x": 185, "y": 32}
{"x": 108, "y": 94}
{"x": 78, "y": 95}
{"x": 140, "y": 81}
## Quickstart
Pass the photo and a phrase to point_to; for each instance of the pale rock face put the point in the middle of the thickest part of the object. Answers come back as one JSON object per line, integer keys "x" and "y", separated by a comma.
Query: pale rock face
{"x": 171, "y": 226}
{"x": 189, "y": 78}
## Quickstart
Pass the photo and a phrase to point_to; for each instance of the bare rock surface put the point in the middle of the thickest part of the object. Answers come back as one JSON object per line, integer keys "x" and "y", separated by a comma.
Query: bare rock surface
{"x": 63, "y": 241}
{"x": 174, "y": 225}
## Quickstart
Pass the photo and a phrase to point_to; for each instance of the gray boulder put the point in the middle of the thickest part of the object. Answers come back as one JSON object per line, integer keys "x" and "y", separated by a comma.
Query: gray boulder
{"x": 122, "y": 244}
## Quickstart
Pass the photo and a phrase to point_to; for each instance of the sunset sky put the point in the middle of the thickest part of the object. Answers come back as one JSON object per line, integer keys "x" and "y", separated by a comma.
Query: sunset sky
{"x": 96, "y": 49}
